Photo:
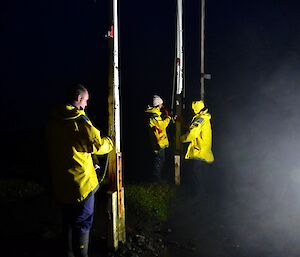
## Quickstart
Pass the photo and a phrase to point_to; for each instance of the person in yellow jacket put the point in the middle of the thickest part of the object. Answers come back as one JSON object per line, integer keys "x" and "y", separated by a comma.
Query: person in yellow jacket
{"x": 158, "y": 122}
{"x": 73, "y": 140}
{"x": 199, "y": 136}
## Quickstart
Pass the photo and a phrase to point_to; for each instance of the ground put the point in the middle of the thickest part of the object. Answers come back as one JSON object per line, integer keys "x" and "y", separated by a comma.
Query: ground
{"x": 195, "y": 226}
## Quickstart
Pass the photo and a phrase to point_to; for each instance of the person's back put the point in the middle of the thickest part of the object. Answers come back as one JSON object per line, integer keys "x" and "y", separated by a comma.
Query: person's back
{"x": 199, "y": 135}
{"x": 199, "y": 153}
{"x": 72, "y": 141}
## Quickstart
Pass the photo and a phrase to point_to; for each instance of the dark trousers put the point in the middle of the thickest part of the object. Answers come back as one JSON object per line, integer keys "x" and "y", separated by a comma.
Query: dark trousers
{"x": 158, "y": 163}
{"x": 195, "y": 176}
{"x": 77, "y": 223}
{"x": 79, "y": 216}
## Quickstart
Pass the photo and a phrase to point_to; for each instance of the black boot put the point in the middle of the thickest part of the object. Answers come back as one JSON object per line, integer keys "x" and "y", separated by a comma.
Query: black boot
{"x": 67, "y": 241}
{"x": 81, "y": 244}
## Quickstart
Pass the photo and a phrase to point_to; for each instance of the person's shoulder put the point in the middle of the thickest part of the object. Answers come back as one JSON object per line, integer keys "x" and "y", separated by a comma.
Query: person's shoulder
{"x": 82, "y": 120}
{"x": 206, "y": 115}
{"x": 152, "y": 113}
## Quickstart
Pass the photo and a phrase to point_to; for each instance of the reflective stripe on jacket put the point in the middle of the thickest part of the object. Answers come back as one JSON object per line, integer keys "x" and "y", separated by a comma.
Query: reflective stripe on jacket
{"x": 72, "y": 141}
{"x": 200, "y": 138}
{"x": 158, "y": 127}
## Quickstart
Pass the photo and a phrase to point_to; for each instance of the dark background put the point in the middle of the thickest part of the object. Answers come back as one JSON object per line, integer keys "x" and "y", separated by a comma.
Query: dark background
{"x": 252, "y": 51}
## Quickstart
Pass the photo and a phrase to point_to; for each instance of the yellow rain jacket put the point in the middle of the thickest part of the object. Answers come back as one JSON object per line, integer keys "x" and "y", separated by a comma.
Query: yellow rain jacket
{"x": 158, "y": 128}
{"x": 72, "y": 141}
{"x": 199, "y": 135}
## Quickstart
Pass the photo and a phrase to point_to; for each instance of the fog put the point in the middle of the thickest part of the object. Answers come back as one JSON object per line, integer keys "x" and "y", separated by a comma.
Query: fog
{"x": 257, "y": 146}
{"x": 253, "y": 54}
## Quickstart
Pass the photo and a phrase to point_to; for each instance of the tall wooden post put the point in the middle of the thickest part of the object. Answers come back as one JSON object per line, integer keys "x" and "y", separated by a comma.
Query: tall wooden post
{"x": 179, "y": 90}
{"x": 116, "y": 210}
{"x": 202, "y": 38}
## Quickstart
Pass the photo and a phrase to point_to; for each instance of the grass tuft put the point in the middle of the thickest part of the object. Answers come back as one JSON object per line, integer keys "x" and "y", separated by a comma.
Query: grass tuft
{"x": 149, "y": 202}
{"x": 14, "y": 189}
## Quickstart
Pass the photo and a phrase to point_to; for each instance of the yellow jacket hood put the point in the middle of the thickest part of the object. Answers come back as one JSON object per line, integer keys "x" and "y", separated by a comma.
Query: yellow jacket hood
{"x": 197, "y": 106}
{"x": 153, "y": 110}
{"x": 68, "y": 112}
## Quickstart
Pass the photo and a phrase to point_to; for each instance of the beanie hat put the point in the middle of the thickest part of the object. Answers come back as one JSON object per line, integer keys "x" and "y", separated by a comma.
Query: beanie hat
{"x": 197, "y": 106}
{"x": 157, "y": 100}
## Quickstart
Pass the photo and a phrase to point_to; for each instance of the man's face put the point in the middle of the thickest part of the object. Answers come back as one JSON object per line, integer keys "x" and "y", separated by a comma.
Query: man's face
{"x": 83, "y": 100}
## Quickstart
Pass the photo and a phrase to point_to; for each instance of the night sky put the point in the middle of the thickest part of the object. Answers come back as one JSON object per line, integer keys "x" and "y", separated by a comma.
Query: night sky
{"x": 252, "y": 51}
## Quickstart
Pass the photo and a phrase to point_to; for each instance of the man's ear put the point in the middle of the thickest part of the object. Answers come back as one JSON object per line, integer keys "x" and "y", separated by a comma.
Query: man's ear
{"x": 78, "y": 98}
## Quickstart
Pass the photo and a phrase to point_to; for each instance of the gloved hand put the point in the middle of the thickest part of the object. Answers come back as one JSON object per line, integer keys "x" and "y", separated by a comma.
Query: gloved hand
{"x": 157, "y": 129}
{"x": 97, "y": 168}
{"x": 164, "y": 111}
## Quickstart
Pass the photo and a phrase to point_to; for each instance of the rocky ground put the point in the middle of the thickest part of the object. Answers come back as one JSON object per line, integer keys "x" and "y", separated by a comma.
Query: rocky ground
{"x": 215, "y": 226}
{"x": 31, "y": 225}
